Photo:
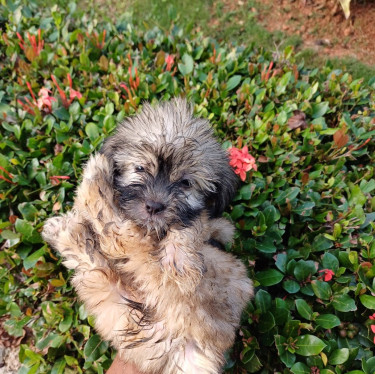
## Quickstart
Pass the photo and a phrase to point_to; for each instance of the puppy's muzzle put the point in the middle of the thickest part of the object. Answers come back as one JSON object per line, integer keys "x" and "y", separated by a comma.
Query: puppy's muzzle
{"x": 154, "y": 207}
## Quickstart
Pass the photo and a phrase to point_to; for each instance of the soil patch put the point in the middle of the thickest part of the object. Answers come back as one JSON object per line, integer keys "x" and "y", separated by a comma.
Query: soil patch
{"x": 322, "y": 26}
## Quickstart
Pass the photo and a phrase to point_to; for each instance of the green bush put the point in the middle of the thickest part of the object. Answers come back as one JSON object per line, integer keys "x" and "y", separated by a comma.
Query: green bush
{"x": 305, "y": 218}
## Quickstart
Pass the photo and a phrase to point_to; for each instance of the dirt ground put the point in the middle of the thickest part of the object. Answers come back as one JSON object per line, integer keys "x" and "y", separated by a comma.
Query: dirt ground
{"x": 322, "y": 26}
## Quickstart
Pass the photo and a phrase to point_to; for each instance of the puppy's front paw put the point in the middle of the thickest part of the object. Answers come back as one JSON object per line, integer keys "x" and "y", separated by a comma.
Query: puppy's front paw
{"x": 173, "y": 258}
{"x": 182, "y": 264}
{"x": 52, "y": 228}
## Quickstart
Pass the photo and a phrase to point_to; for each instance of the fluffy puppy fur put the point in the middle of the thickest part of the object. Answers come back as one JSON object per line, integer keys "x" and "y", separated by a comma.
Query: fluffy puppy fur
{"x": 142, "y": 241}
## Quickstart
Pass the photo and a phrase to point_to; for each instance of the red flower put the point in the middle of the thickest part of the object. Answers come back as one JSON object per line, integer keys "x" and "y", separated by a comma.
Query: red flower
{"x": 372, "y": 328}
{"x": 241, "y": 161}
{"x": 328, "y": 274}
{"x": 372, "y": 317}
{"x": 169, "y": 60}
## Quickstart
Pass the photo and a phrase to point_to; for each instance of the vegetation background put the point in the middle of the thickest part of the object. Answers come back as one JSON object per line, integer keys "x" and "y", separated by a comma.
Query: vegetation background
{"x": 69, "y": 71}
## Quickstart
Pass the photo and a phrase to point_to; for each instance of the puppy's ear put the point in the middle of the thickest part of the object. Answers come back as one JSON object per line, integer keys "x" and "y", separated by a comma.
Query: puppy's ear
{"x": 225, "y": 191}
{"x": 109, "y": 149}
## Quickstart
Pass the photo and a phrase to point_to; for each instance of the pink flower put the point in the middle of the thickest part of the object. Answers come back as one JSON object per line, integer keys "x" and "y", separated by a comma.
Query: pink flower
{"x": 372, "y": 317}
{"x": 372, "y": 327}
{"x": 169, "y": 60}
{"x": 241, "y": 161}
{"x": 45, "y": 100}
{"x": 328, "y": 274}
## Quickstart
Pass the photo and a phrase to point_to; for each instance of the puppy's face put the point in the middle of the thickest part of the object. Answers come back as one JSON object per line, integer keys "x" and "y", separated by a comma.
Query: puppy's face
{"x": 168, "y": 167}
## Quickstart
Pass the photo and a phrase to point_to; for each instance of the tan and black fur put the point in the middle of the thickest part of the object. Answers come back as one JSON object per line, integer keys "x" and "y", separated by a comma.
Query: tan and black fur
{"x": 139, "y": 240}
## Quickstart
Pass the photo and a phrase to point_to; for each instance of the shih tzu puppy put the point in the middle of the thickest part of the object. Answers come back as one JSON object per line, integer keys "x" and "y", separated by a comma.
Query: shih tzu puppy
{"x": 143, "y": 240}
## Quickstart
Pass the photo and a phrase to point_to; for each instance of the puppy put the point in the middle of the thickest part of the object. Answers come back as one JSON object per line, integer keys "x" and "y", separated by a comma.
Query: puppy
{"x": 142, "y": 239}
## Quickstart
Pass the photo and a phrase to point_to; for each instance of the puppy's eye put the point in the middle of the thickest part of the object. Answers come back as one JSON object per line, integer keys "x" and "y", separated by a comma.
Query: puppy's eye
{"x": 139, "y": 168}
{"x": 186, "y": 183}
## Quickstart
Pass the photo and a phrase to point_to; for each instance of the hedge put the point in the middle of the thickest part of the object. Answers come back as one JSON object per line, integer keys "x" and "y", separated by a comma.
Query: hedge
{"x": 305, "y": 213}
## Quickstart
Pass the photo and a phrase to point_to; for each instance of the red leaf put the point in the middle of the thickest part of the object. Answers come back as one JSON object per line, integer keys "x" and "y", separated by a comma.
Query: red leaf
{"x": 340, "y": 138}
{"x": 13, "y": 218}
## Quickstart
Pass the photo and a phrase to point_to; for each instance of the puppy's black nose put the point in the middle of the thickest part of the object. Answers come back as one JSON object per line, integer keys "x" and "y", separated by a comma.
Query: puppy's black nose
{"x": 154, "y": 207}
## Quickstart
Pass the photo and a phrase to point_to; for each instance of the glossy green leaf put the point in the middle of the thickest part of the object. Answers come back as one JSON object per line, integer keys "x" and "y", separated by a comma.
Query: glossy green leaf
{"x": 300, "y": 368}
{"x": 321, "y": 289}
{"x": 237, "y": 212}
{"x": 95, "y": 348}
{"x": 28, "y": 211}
{"x": 92, "y": 131}
{"x": 368, "y": 301}
{"x": 339, "y": 356}
{"x": 319, "y": 110}
{"x": 59, "y": 366}
{"x": 266, "y": 322}
{"x": 288, "y": 358}
{"x": 327, "y": 321}
{"x": 343, "y": 303}
{"x": 287, "y": 195}
{"x": 263, "y": 301}
{"x": 309, "y": 345}
{"x": 304, "y": 309}
{"x": 304, "y": 269}
{"x": 187, "y": 64}
{"x": 269, "y": 277}
{"x": 31, "y": 260}
{"x": 330, "y": 262}
{"x": 291, "y": 286}
{"x": 24, "y": 228}
{"x": 233, "y": 82}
